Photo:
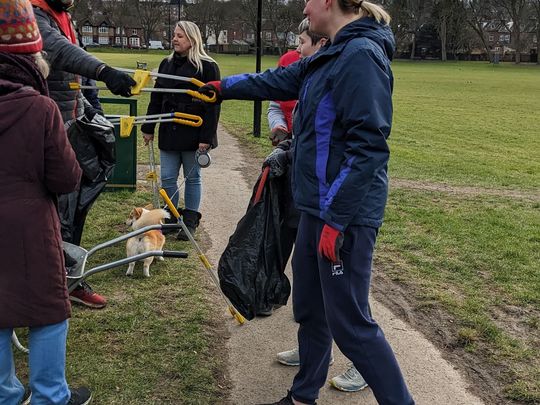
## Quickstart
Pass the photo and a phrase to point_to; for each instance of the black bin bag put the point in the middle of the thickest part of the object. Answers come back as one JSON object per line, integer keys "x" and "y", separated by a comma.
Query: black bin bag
{"x": 93, "y": 142}
{"x": 251, "y": 268}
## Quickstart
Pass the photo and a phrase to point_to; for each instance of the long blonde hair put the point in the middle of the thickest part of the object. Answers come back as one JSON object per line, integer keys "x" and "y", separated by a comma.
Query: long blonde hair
{"x": 366, "y": 8}
{"x": 196, "y": 54}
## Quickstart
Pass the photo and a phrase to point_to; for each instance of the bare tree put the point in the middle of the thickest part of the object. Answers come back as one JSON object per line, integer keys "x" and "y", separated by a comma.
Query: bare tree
{"x": 248, "y": 13}
{"x": 219, "y": 19}
{"x": 409, "y": 16}
{"x": 420, "y": 12}
{"x": 82, "y": 10}
{"x": 478, "y": 12}
{"x": 289, "y": 16}
{"x": 201, "y": 12}
{"x": 119, "y": 12}
{"x": 400, "y": 24}
{"x": 448, "y": 19}
{"x": 535, "y": 5}
{"x": 515, "y": 10}
{"x": 442, "y": 13}
{"x": 461, "y": 38}
{"x": 150, "y": 14}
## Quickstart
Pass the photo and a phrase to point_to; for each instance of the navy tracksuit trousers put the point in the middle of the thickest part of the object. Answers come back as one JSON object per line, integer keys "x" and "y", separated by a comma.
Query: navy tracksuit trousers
{"x": 332, "y": 303}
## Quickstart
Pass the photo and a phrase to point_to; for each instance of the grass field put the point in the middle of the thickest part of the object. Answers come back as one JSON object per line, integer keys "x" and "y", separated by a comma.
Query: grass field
{"x": 462, "y": 234}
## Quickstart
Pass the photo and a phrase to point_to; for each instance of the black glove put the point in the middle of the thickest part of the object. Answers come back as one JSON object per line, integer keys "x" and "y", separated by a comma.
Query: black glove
{"x": 118, "y": 83}
{"x": 211, "y": 88}
{"x": 285, "y": 145}
{"x": 278, "y": 161}
{"x": 91, "y": 112}
{"x": 278, "y": 135}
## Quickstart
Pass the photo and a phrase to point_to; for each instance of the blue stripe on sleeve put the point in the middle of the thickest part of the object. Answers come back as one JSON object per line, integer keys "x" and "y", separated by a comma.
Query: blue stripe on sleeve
{"x": 324, "y": 121}
{"x": 232, "y": 80}
{"x": 336, "y": 185}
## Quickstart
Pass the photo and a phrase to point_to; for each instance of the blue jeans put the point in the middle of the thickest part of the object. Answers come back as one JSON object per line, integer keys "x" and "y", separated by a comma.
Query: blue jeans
{"x": 331, "y": 302}
{"x": 47, "y": 364}
{"x": 171, "y": 161}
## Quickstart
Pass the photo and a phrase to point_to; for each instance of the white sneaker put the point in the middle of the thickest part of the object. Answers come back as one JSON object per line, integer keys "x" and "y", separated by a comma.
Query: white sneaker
{"x": 292, "y": 357}
{"x": 289, "y": 357}
{"x": 350, "y": 381}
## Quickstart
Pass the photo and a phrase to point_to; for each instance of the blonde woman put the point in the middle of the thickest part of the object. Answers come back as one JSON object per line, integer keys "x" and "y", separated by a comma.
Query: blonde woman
{"x": 178, "y": 144}
{"x": 341, "y": 126}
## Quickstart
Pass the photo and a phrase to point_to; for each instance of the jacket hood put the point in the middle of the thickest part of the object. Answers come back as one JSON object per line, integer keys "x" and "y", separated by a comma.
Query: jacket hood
{"x": 14, "y": 103}
{"x": 368, "y": 27}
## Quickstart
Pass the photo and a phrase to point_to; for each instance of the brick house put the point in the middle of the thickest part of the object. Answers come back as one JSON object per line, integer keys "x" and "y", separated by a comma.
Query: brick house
{"x": 103, "y": 32}
{"x": 499, "y": 38}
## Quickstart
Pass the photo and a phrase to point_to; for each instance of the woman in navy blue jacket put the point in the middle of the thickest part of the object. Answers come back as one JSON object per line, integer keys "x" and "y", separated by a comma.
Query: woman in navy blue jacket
{"x": 340, "y": 185}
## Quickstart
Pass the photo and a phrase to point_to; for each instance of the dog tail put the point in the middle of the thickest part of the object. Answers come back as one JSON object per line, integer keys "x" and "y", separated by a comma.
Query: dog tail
{"x": 164, "y": 214}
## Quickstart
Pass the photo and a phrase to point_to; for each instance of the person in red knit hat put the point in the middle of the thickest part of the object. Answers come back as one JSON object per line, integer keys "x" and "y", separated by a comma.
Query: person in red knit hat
{"x": 36, "y": 164}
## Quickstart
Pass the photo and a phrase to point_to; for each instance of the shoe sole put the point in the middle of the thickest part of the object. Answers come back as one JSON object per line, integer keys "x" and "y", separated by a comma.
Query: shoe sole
{"x": 339, "y": 388}
{"x": 265, "y": 314}
{"x": 86, "y": 304}
{"x": 285, "y": 363}
{"x": 27, "y": 400}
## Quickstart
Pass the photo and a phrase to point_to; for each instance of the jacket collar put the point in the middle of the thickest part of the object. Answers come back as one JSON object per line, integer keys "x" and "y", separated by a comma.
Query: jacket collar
{"x": 365, "y": 27}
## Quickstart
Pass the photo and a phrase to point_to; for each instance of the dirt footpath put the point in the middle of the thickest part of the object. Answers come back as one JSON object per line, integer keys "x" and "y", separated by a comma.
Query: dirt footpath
{"x": 255, "y": 375}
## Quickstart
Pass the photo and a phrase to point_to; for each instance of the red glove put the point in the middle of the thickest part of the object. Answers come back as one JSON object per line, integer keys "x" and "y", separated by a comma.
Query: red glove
{"x": 210, "y": 88}
{"x": 330, "y": 243}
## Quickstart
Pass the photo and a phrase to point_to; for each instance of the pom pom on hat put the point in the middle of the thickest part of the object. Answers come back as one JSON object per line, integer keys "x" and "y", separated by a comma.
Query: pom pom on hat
{"x": 19, "y": 32}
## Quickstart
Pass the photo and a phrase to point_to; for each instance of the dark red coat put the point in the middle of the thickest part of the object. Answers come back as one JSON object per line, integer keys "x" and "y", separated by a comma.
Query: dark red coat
{"x": 36, "y": 163}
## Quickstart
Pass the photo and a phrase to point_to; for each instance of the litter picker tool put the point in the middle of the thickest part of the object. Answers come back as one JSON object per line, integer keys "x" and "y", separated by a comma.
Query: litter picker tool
{"x": 126, "y": 122}
{"x": 142, "y": 78}
{"x": 239, "y": 318}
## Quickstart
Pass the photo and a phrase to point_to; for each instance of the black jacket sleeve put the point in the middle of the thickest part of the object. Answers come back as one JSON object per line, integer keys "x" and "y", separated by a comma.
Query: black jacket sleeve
{"x": 211, "y": 116}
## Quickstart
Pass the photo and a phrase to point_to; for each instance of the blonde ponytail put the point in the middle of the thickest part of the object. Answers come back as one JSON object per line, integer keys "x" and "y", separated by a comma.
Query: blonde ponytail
{"x": 366, "y": 8}
{"x": 375, "y": 11}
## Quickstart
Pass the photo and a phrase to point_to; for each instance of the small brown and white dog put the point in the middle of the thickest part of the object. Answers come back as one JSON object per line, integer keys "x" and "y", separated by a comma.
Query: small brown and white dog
{"x": 150, "y": 240}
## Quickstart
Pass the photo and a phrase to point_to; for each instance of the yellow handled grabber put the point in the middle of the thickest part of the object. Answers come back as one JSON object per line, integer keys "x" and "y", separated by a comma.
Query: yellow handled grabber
{"x": 135, "y": 90}
{"x": 239, "y": 318}
{"x": 127, "y": 122}
{"x": 143, "y": 76}
{"x": 194, "y": 120}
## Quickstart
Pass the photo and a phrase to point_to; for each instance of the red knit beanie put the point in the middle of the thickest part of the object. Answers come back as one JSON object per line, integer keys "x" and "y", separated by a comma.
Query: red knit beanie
{"x": 19, "y": 32}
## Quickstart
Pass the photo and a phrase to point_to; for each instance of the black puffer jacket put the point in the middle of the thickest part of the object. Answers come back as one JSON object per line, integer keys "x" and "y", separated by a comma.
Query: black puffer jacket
{"x": 177, "y": 137}
{"x": 67, "y": 63}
